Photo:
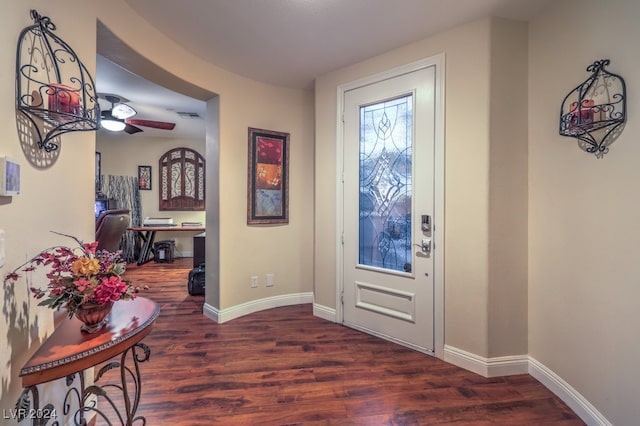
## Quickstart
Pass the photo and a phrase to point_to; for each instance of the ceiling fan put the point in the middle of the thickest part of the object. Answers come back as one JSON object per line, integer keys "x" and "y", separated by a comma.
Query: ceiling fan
{"x": 118, "y": 118}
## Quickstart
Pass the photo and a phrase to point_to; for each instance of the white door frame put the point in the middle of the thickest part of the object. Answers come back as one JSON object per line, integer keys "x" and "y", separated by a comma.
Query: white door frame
{"x": 438, "y": 216}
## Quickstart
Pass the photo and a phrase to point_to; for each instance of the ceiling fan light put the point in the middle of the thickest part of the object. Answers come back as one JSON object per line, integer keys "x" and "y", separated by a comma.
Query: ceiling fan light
{"x": 122, "y": 111}
{"x": 112, "y": 124}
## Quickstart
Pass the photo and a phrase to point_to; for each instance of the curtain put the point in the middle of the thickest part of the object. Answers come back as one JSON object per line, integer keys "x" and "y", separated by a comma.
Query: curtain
{"x": 124, "y": 189}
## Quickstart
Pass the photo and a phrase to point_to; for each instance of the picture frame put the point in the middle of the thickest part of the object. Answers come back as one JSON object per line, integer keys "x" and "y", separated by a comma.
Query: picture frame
{"x": 268, "y": 177}
{"x": 144, "y": 178}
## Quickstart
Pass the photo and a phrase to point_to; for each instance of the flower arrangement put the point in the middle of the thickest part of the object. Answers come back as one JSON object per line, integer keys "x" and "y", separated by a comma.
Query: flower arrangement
{"x": 78, "y": 277}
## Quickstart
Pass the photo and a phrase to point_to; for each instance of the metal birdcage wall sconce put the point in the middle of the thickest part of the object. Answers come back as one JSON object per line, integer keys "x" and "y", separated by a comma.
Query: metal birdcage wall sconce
{"x": 595, "y": 111}
{"x": 54, "y": 89}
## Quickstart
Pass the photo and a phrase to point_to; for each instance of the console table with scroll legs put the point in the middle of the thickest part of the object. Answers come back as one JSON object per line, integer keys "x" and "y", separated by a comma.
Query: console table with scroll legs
{"x": 68, "y": 352}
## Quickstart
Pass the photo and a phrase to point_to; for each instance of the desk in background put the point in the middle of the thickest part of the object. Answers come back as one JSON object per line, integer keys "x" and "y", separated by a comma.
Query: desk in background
{"x": 198, "y": 249}
{"x": 147, "y": 235}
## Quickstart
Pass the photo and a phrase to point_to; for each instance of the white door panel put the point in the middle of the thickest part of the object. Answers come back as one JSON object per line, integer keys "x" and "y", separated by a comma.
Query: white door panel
{"x": 388, "y": 286}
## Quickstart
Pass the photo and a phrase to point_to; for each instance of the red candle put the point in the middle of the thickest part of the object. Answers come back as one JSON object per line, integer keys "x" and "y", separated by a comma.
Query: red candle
{"x": 63, "y": 99}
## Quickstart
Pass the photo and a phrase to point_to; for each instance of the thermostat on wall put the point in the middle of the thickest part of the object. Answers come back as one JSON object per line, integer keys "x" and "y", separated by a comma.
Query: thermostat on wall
{"x": 9, "y": 176}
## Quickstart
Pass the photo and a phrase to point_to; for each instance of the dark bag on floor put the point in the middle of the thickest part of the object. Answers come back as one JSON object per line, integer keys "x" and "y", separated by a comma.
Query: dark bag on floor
{"x": 195, "y": 285}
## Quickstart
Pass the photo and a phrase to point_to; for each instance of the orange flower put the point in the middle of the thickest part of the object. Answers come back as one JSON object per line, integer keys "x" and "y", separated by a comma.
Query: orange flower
{"x": 85, "y": 266}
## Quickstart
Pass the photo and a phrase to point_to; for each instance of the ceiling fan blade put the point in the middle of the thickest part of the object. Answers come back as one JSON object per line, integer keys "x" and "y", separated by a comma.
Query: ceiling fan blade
{"x": 128, "y": 128}
{"x": 150, "y": 123}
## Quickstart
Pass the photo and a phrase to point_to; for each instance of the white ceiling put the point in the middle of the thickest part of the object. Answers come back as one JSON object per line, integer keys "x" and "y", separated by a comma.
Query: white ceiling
{"x": 285, "y": 42}
{"x": 151, "y": 102}
{"x": 290, "y": 42}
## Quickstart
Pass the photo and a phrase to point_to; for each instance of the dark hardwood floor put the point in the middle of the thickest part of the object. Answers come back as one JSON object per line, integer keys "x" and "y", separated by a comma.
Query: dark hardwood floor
{"x": 284, "y": 367}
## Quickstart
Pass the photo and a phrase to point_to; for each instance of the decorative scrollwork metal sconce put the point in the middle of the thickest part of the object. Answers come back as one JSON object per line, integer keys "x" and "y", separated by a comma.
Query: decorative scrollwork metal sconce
{"x": 54, "y": 89}
{"x": 595, "y": 111}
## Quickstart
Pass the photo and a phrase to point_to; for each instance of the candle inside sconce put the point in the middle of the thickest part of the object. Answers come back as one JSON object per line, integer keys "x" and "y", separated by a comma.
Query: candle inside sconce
{"x": 599, "y": 111}
{"x": 583, "y": 115}
{"x": 63, "y": 99}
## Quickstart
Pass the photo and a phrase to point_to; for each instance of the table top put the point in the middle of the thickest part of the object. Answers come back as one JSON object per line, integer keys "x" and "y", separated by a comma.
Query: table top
{"x": 166, "y": 228}
{"x": 69, "y": 350}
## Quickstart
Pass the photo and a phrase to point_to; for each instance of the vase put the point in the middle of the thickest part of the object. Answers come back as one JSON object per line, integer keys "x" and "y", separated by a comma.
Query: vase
{"x": 93, "y": 316}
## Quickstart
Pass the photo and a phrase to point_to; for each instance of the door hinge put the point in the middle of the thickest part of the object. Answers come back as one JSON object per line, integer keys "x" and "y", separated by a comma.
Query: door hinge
{"x": 342, "y": 298}
{"x": 342, "y": 238}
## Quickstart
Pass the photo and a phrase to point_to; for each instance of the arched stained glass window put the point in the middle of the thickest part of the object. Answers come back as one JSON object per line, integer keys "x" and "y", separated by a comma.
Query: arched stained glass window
{"x": 182, "y": 180}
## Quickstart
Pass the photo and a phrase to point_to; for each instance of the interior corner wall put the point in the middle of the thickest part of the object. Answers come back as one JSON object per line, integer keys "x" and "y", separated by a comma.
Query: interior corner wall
{"x": 467, "y": 50}
{"x": 583, "y": 211}
{"x": 212, "y": 252}
{"x": 508, "y": 191}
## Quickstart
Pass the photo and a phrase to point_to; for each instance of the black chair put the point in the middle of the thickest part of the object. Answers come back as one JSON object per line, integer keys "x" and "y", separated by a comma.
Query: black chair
{"x": 110, "y": 227}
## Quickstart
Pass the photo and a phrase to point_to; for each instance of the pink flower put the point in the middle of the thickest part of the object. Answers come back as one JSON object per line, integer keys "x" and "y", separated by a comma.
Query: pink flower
{"x": 110, "y": 289}
{"x": 82, "y": 284}
{"x": 90, "y": 248}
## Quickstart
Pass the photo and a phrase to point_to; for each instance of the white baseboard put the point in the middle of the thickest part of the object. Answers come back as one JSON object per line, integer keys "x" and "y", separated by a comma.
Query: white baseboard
{"x": 563, "y": 390}
{"x": 211, "y": 312}
{"x": 487, "y": 367}
{"x": 324, "y": 312}
{"x": 319, "y": 311}
{"x": 524, "y": 364}
{"x": 224, "y": 315}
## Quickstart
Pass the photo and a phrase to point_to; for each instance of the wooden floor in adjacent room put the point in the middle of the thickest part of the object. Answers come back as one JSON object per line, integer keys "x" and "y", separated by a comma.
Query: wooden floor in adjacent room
{"x": 286, "y": 367}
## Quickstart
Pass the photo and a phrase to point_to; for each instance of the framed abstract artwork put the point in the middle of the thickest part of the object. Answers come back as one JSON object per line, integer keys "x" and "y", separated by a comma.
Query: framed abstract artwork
{"x": 144, "y": 178}
{"x": 268, "y": 179}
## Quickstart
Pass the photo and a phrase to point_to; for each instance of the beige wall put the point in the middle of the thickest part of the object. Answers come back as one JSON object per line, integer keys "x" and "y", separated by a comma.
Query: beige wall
{"x": 507, "y": 244}
{"x": 57, "y": 191}
{"x": 121, "y": 156}
{"x": 60, "y": 197}
{"x": 474, "y": 196}
{"x": 244, "y": 250}
{"x": 583, "y": 212}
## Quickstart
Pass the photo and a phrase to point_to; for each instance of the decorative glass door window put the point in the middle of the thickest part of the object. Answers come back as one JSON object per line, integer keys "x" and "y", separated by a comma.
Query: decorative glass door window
{"x": 385, "y": 205}
{"x": 182, "y": 180}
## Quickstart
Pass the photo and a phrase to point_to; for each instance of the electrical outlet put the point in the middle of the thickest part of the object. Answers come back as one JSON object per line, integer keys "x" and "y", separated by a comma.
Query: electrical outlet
{"x": 254, "y": 281}
{"x": 270, "y": 280}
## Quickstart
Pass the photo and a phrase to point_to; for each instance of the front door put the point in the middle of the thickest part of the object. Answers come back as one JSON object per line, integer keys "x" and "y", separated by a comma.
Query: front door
{"x": 388, "y": 257}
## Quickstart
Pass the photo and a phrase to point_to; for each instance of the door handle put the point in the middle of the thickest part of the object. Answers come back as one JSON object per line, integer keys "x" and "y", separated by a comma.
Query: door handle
{"x": 425, "y": 245}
